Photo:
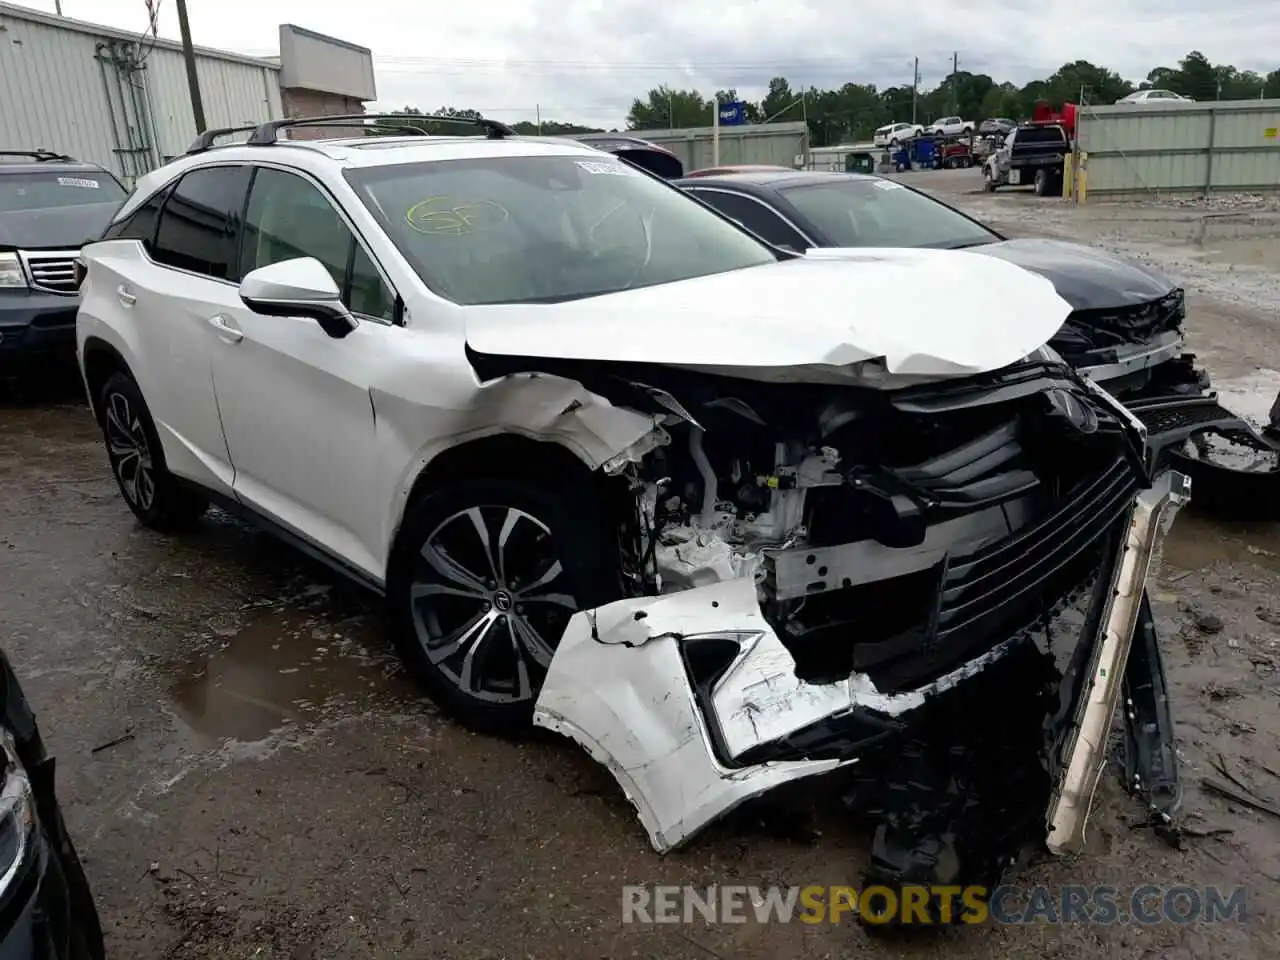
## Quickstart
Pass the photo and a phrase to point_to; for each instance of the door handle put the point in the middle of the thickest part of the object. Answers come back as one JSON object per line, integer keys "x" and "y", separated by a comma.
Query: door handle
{"x": 226, "y": 329}
{"x": 127, "y": 298}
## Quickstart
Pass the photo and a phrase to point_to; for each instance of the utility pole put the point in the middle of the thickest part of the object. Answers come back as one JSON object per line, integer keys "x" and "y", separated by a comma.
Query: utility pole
{"x": 955, "y": 94}
{"x": 915, "y": 88}
{"x": 189, "y": 55}
{"x": 57, "y": 7}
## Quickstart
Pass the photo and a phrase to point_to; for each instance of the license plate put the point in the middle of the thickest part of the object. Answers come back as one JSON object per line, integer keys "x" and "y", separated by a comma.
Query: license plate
{"x": 1015, "y": 176}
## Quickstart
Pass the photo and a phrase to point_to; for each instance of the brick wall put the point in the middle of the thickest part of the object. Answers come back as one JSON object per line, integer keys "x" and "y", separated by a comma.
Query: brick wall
{"x": 312, "y": 103}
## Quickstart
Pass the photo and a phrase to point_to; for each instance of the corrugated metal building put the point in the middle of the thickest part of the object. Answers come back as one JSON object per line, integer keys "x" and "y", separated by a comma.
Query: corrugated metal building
{"x": 111, "y": 97}
{"x": 1188, "y": 148}
{"x": 772, "y": 144}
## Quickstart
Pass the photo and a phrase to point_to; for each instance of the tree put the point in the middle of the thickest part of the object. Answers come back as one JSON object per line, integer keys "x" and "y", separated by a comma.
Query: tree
{"x": 1098, "y": 84}
{"x": 853, "y": 111}
{"x": 667, "y": 109}
{"x": 781, "y": 102}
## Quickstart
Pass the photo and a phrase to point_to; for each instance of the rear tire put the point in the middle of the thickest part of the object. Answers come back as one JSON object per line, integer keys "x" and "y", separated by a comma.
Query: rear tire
{"x": 484, "y": 578}
{"x": 1042, "y": 183}
{"x": 154, "y": 495}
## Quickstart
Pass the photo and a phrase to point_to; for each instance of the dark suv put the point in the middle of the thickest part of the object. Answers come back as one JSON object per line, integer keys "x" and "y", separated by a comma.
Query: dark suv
{"x": 50, "y": 206}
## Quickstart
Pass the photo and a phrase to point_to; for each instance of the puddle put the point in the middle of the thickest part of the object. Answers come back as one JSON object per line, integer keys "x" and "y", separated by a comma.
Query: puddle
{"x": 1250, "y": 397}
{"x": 1197, "y": 542}
{"x": 283, "y": 670}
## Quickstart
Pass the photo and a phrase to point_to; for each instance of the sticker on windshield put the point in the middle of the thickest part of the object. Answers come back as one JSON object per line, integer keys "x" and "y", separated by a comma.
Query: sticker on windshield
{"x": 888, "y": 185}
{"x": 606, "y": 168}
{"x": 78, "y": 182}
{"x": 451, "y": 217}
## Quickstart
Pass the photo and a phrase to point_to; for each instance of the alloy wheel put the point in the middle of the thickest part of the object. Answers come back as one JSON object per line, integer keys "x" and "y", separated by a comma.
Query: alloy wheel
{"x": 130, "y": 452}
{"x": 489, "y": 601}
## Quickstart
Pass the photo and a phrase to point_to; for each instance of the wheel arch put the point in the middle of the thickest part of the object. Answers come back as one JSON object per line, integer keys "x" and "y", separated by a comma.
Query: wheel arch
{"x": 99, "y": 360}
{"x": 503, "y": 454}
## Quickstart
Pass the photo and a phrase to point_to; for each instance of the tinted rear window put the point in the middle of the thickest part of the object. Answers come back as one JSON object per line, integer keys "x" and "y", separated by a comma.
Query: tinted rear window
{"x": 1041, "y": 135}
{"x": 882, "y": 213}
{"x": 201, "y": 221}
{"x": 45, "y": 191}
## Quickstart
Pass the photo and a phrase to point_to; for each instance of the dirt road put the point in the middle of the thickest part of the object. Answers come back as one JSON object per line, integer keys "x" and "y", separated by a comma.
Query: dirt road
{"x": 276, "y": 789}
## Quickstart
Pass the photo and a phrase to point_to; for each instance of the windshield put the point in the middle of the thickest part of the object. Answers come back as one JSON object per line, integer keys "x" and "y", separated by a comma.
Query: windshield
{"x": 46, "y": 191}
{"x": 881, "y": 213}
{"x": 542, "y": 229}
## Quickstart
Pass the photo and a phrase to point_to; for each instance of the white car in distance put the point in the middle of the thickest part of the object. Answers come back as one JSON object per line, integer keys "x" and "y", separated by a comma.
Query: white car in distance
{"x": 1155, "y": 97}
{"x": 893, "y": 133}
{"x": 590, "y": 440}
{"x": 951, "y": 126}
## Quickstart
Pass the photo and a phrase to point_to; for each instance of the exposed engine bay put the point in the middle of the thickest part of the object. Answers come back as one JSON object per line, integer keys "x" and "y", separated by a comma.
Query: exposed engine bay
{"x": 808, "y": 568}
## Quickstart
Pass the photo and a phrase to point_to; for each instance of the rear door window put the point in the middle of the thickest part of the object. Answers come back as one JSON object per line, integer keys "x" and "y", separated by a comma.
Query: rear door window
{"x": 755, "y": 216}
{"x": 200, "y": 223}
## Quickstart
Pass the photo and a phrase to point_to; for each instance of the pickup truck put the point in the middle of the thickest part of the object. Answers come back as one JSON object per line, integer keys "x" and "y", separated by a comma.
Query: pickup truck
{"x": 1032, "y": 155}
{"x": 951, "y": 126}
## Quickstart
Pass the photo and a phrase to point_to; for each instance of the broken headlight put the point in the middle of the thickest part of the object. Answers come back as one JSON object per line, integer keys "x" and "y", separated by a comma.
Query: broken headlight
{"x": 17, "y": 814}
{"x": 11, "y": 274}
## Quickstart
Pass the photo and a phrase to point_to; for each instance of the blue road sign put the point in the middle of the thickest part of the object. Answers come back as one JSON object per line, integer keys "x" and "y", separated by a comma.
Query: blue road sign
{"x": 733, "y": 114}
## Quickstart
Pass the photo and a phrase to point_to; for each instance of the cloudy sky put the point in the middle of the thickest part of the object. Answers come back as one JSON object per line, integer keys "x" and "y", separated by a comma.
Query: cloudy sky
{"x": 585, "y": 60}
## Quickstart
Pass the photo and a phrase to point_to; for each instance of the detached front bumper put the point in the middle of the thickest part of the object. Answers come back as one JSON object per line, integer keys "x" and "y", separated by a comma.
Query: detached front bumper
{"x": 1085, "y": 757}
{"x": 693, "y": 703}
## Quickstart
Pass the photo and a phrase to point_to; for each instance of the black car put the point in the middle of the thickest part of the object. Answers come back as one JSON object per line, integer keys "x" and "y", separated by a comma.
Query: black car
{"x": 50, "y": 206}
{"x": 46, "y": 908}
{"x": 645, "y": 154}
{"x": 1124, "y": 332}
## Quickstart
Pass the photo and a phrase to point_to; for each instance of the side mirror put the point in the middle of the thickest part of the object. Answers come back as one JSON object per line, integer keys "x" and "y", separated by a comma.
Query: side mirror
{"x": 298, "y": 288}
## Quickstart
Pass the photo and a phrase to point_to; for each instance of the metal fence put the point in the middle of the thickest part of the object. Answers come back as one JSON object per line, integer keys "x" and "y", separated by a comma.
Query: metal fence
{"x": 772, "y": 144}
{"x": 1132, "y": 150}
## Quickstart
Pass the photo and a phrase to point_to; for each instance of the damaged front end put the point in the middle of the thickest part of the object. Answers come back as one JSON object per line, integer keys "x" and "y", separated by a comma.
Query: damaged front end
{"x": 813, "y": 569}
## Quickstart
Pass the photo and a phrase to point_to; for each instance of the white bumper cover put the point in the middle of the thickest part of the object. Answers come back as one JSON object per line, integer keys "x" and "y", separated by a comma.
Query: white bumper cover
{"x": 618, "y": 685}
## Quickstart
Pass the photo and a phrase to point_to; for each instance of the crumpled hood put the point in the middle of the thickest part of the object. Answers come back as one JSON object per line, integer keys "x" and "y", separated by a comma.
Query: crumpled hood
{"x": 925, "y": 313}
{"x": 1086, "y": 277}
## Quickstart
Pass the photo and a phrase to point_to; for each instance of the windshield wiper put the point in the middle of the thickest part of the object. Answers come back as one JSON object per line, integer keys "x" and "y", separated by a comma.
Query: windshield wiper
{"x": 964, "y": 244}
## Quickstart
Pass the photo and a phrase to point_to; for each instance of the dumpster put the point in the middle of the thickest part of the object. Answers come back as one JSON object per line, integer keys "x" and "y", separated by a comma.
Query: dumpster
{"x": 861, "y": 162}
{"x": 924, "y": 153}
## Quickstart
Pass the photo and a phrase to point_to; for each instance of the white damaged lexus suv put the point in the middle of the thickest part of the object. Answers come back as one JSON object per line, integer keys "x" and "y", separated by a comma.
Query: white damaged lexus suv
{"x": 726, "y": 516}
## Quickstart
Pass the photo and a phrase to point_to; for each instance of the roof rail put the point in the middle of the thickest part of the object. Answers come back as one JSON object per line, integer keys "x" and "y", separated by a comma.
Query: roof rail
{"x": 38, "y": 155}
{"x": 205, "y": 140}
{"x": 266, "y": 133}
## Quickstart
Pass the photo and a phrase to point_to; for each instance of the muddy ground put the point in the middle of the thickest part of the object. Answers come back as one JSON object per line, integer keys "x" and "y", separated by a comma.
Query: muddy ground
{"x": 276, "y": 789}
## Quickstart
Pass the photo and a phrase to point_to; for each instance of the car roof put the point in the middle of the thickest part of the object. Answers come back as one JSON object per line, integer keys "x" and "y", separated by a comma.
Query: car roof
{"x": 14, "y": 162}
{"x": 775, "y": 179}
{"x": 315, "y": 156}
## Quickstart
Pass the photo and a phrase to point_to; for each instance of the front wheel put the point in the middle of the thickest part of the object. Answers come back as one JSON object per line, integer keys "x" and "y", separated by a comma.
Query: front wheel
{"x": 484, "y": 580}
{"x": 137, "y": 459}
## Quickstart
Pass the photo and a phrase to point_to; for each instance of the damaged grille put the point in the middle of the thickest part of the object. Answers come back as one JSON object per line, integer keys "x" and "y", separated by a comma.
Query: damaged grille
{"x": 1017, "y": 518}
{"x": 983, "y": 596}
{"x": 1088, "y": 331}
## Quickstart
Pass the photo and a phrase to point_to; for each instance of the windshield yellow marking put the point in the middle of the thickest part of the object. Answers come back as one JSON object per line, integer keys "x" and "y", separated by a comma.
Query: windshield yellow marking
{"x": 451, "y": 217}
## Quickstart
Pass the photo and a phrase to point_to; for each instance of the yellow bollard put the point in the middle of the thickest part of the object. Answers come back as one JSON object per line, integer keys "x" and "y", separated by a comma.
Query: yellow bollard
{"x": 1068, "y": 178}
